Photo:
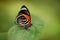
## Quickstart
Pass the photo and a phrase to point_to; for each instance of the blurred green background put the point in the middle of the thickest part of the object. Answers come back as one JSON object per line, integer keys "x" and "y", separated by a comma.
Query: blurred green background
{"x": 46, "y": 10}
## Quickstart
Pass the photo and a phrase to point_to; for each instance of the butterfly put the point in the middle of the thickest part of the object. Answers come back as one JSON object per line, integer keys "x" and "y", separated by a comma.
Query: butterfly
{"x": 23, "y": 18}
